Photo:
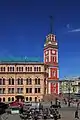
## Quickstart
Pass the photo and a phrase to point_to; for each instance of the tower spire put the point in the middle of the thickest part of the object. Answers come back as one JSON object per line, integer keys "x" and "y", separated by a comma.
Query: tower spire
{"x": 51, "y": 24}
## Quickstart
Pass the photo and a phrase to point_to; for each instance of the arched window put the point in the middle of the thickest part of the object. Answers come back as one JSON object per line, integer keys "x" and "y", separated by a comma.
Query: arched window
{"x": 20, "y": 81}
{"x": 12, "y": 98}
{"x": 37, "y": 81}
{"x": 26, "y": 98}
{"x": 3, "y": 81}
{"x": 9, "y": 81}
{"x": 30, "y": 98}
{"x": 28, "y": 81}
{"x": 12, "y": 81}
{"x": 9, "y": 99}
{"x": 3, "y": 99}
{"x": 35, "y": 99}
{"x": 0, "y": 81}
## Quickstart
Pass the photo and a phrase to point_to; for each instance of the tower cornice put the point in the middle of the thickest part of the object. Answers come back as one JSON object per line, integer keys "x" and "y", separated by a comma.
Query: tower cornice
{"x": 50, "y": 46}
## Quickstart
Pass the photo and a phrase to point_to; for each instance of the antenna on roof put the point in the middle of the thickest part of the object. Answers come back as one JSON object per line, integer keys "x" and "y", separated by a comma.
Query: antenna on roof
{"x": 51, "y": 24}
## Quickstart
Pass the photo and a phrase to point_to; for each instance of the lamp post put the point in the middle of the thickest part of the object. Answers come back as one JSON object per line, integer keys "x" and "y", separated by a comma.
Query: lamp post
{"x": 69, "y": 92}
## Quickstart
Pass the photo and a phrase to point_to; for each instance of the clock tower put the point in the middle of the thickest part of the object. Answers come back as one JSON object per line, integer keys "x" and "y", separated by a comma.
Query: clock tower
{"x": 51, "y": 59}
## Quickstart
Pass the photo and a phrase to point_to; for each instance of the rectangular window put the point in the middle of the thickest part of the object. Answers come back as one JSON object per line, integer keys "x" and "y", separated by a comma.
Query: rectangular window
{"x": 0, "y": 81}
{"x": 0, "y": 90}
{"x": 34, "y": 68}
{"x": 28, "y": 90}
{"x": 26, "y": 69}
{"x": 12, "y": 81}
{"x": 35, "y": 99}
{"x": 3, "y": 81}
{"x": 17, "y": 69}
{"x": 20, "y": 69}
{"x": 38, "y": 90}
{"x": 26, "y": 81}
{"x": 29, "y": 81}
{"x": 30, "y": 98}
{"x": 11, "y": 69}
{"x": 3, "y": 90}
{"x": 10, "y": 90}
{"x": 8, "y": 69}
{"x": 30, "y": 68}
{"x": 19, "y": 90}
{"x": 39, "y": 69}
{"x": 35, "y": 90}
{"x": 20, "y": 81}
{"x": 26, "y": 98}
{"x": 38, "y": 81}
{"x": 2, "y": 69}
{"x": 9, "y": 81}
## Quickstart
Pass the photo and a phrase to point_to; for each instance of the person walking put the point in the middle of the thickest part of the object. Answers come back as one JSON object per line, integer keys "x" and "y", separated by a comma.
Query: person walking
{"x": 76, "y": 114}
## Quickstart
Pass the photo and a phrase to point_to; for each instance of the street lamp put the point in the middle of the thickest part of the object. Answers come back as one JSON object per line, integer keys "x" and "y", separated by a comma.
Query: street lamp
{"x": 69, "y": 92}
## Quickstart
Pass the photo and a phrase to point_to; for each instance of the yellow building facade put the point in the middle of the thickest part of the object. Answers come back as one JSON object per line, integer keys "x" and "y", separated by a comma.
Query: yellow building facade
{"x": 22, "y": 78}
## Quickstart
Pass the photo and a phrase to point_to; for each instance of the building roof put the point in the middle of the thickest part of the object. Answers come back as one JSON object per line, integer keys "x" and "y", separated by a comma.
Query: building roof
{"x": 21, "y": 60}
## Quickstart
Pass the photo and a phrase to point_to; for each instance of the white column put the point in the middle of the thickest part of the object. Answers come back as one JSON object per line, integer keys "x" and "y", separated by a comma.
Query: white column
{"x": 49, "y": 88}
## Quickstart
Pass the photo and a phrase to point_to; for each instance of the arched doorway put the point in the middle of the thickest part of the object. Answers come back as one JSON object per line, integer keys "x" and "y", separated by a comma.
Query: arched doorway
{"x": 19, "y": 98}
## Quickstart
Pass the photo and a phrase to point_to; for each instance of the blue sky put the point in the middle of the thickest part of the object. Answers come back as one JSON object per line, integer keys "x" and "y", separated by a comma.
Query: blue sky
{"x": 25, "y": 23}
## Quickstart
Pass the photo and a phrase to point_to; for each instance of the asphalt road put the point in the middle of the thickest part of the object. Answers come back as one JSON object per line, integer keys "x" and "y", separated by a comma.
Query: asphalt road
{"x": 67, "y": 113}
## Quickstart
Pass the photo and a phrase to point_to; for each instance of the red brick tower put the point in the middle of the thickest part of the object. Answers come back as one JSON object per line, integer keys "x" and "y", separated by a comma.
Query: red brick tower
{"x": 51, "y": 59}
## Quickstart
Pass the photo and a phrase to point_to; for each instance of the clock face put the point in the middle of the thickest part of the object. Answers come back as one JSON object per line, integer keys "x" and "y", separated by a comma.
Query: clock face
{"x": 53, "y": 51}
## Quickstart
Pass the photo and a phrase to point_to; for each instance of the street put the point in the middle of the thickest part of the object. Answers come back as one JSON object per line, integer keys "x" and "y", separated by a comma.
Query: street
{"x": 66, "y": 114}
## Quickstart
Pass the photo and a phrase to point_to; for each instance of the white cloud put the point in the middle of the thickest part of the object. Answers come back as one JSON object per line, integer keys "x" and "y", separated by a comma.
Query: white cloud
{"x": 75, "y": 30}
{"x": 68, "y": 26}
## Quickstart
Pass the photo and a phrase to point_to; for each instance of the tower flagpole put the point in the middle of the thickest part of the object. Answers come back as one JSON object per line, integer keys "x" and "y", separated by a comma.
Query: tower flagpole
{"x": 51, "y": 24}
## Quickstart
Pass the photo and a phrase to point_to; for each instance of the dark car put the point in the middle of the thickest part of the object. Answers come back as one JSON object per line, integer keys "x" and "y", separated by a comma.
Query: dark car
{"x": 3, "y": 107}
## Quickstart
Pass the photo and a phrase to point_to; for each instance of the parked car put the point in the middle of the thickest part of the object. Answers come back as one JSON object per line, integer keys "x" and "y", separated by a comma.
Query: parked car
{"x": 3, "y": 107}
